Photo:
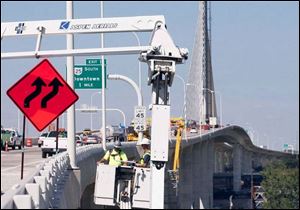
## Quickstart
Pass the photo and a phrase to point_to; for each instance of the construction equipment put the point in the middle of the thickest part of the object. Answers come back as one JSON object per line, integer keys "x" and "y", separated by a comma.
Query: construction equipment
{"x": 174, "y": 173}
{"x": 132, "y": 135}
{"x": 125, "y": 186}
{"x": 161, "y": 57}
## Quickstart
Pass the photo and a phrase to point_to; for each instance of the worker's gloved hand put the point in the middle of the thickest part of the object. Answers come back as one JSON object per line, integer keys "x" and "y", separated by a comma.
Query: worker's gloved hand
{"x": 129, "y": 163}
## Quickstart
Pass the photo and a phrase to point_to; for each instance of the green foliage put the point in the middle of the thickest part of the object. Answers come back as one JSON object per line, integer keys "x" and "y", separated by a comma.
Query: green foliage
{"x": 281, "y": 185}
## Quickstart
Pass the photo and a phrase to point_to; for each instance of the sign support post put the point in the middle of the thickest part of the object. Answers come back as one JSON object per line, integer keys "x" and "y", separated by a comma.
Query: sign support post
{"x": 23, "y": 143}
{"x": 70, "y": 80}
{"x": 57, "y": 124}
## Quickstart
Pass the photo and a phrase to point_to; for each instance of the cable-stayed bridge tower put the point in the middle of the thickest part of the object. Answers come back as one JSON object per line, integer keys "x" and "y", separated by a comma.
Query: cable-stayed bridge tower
{"x": 200, "y": 102}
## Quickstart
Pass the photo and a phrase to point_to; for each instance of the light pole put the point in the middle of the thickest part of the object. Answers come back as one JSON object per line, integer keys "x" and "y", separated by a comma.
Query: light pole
{"x": 221, "y": 109}
{"x": 91, "y": 107}
{"x": 140, "y": 79}
{"x": 71, "y": 146}
{"x": 63, "y": 120}
{"x": 184, "y": 102}
{"x": 111, "y": 109}
{"x": 137, "y": 90}
{"x": 213, "y": 93}
{"x": 266, "y": 138}
{"x": 18, "y": 120}
{"x": 292, "y": 147}
{"x": 189, "y": 84}
{"x": 103, "y": 84}
{"x": 251, "y": 133}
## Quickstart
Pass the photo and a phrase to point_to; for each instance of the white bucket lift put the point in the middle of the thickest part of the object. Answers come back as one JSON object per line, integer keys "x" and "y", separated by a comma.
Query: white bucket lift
{"x": 123, "y": 186}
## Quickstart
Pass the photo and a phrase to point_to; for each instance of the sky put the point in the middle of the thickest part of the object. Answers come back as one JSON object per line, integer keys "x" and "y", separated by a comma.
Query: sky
{"x": 255, "y": 59}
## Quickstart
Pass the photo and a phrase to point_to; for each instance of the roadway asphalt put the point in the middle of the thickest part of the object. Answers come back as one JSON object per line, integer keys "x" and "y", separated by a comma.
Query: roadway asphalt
{"x": 11, "y": 165}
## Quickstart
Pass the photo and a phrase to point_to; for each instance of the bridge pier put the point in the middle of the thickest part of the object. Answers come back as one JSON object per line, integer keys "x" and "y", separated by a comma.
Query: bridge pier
{"x": 186, "y": 179}
{"x": 196, "y": 176}
{"x": 237, "y": 167}
{"x": 210, "y": 172}
{"x": 219, "y": 160}
{"x": 204, "y": 184}
{"x": 247, "y": 161}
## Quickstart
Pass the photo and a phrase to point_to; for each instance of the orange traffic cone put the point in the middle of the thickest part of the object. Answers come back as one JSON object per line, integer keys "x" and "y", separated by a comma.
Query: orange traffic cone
{"x": 6, "y": 146}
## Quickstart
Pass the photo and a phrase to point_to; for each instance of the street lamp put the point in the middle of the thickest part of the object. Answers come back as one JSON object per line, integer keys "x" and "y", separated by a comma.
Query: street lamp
{"x": 63, "y": 120}
{"x": 184, "y": 101}
{"x": 266, "y": 138}
{"x": 18, "y": 120}
{"x": 184, "y": 92}
{"x": 85, "y": 109}
{"x": 213, "y": 92}
{"x": 91, "y": 107}
{"x": 253, "y": 135}
{"x": 189, "y": 84}
{"x": 139, "y": 43}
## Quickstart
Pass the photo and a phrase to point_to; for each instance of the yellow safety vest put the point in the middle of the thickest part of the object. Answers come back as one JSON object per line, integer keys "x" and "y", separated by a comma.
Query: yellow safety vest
{"x": 143, "y": 158}
{"x": 115, "y": 158}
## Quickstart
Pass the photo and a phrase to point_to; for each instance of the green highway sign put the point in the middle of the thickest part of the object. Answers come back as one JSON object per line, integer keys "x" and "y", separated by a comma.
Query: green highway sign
{"x": 89, "y": 76}
{"x": 92, "y": 61}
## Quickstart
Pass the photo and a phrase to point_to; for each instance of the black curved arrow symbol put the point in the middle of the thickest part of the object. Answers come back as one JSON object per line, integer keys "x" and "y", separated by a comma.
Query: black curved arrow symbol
{"x": 55, "y": 83}
{"x": 38, "y": 83}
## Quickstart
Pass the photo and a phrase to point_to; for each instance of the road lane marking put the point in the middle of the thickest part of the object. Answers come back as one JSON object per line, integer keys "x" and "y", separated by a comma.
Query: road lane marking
{"x": 28, "y": 164}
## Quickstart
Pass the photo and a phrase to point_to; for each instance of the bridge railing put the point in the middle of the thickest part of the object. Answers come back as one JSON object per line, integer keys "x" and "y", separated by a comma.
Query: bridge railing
{"x": 37, "y": 189}
{"x": 45, "y": 187}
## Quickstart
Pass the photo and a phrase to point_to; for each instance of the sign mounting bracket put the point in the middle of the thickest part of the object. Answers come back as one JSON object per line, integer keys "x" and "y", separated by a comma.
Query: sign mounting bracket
{"x": 41, "y": 30}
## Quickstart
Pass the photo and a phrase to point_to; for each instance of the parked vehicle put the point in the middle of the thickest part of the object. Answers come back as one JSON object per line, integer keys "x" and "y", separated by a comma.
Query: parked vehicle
{"x": 41, "y": 138}
{"x": 92, "y": 139}
{"x": 12, "y": 137}
{"x": 79, "y": 141}
{"x": 49, "y": 143}
{"x": 193, "y": 130}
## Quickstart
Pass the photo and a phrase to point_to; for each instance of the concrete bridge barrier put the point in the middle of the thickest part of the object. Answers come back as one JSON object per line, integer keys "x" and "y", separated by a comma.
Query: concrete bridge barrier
{"x": 55, "y": 185}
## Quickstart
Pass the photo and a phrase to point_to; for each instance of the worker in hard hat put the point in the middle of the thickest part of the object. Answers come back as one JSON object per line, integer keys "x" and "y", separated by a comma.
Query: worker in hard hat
{"x": 115, "y": 157}
{"x": 145, "y": 160}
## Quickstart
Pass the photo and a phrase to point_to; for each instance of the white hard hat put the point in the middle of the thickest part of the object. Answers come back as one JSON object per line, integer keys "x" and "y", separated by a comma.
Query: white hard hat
{"x": 117, "y": 144}
{"x": 145, "y": 141}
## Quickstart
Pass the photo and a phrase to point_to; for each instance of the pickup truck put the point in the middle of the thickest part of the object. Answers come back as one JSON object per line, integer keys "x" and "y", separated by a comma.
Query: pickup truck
{"x": 49, "y": 143}
{"x": 12, "y": 137}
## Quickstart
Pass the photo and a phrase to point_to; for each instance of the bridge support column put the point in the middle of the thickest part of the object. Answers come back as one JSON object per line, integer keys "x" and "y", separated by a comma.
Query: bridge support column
{"x": 207, "y": 171}
{"x": 210, "y": 172}
{"x": 197, "y": 175}
{"x": 247, "y": 162}
{"x": 219, "y": 160}
{"x": 237, "y": 167}
{"x": 203, "y": 180}
{"x": 186, "y": 179}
